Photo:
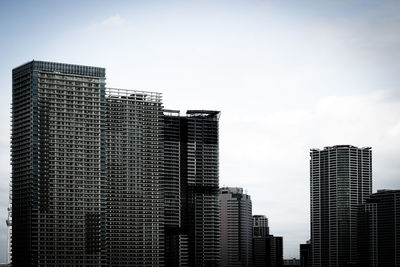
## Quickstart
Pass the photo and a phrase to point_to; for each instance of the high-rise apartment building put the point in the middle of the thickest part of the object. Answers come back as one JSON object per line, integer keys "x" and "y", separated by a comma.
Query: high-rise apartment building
{"x": 236, "y": 227}
{"x": 174, "y": 185}
{"x": 191, "y": 183}
{"x": 340, "y": 180}
{"x": 56, "y": 153}
{"x": 86, "y": 170}
{"x": 133, "y": 196}
{"x": 379, "y": 230}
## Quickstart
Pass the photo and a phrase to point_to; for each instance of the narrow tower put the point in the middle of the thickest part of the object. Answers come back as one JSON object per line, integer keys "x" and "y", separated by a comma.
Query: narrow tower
{"x": 191, "y": 183}
{"x": 340, "y": 179}
{"x": 236, "y": 227}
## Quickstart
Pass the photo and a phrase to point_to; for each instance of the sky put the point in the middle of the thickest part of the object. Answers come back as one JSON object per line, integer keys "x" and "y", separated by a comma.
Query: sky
{"x": 287, "y": 76}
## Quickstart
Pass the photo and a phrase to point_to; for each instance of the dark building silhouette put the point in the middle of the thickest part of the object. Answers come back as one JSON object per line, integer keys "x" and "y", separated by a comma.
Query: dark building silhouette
{"x": 175, "y": 192}
{"x": 341, "y": 179}
{"x": 236, "y": 227}
{"x": 267, "y": 249}
{"x": 305, "y": 255}
{"x": 191, "y": 184}
{"x": 379, "y": 224}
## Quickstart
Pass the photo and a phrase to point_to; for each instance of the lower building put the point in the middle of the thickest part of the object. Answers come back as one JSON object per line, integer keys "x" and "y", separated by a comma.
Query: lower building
{"x": 236, "y": 227}
{"x": 379, "y": 230}
{"x": 267, "y": 249}
{"x": 305, "y": 255}
{"x": 291, "y": 263}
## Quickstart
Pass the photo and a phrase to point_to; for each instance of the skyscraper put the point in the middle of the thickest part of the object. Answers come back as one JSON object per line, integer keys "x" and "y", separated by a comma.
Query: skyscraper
{"x": 174, "y": 184}
{"x": 134, "y": 205}
{"x": 56, "y": 154}
{"x": 340, "y": 180}
{"x": 86, "y": 169}
{"x": 191, "y": 183}
{"x": 236, "y": 227}
{"x": 379, "y": 230}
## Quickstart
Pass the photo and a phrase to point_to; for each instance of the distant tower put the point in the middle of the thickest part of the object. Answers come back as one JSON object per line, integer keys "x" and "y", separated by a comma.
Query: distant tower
{"x": 260, "y": 225}
{"x": 9, "y": 227}
{"x": 236, "y": 227}
{"x": 341, "y": 179}
{"x": 267, "y": 249}
{"x": 305, "y": 254}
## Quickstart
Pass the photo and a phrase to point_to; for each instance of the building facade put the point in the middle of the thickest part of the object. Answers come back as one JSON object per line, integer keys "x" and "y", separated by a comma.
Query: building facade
{"x": 191, "y": 183}
{"x": 267, "y": 249}
{"x": 291, "y": 263}
{"x": 134, "y": 206}
{"x": 86, "y": 169}
{"x": 260, "y": 225}
{"x": 340, "y": 180}
{"x": 379, "y": 224}
{"x": 56, "y": 154}
{"x": 236, "y": 227}
{"x": 175, "y": 190}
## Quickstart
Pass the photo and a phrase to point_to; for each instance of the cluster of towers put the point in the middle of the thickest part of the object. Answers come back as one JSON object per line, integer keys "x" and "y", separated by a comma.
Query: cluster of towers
{"x": 350, "y": 226}
{"x": 108, "y": 177}
{"x": 245, "y": 238}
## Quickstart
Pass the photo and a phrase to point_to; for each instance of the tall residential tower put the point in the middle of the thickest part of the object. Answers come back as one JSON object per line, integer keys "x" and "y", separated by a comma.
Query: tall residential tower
{"x": 133, "y": 197}
{"x": 340, "y": 179}
{"x": 191, "y": 183}
{"x": 57, "y": 152}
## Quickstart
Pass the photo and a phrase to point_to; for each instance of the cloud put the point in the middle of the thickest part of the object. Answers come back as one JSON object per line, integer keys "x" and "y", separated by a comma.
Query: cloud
{"x": 113, "y": 20}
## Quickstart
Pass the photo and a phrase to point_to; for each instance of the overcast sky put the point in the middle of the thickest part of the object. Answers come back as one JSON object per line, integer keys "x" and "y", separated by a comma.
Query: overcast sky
{"x": 287, "y": 76}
